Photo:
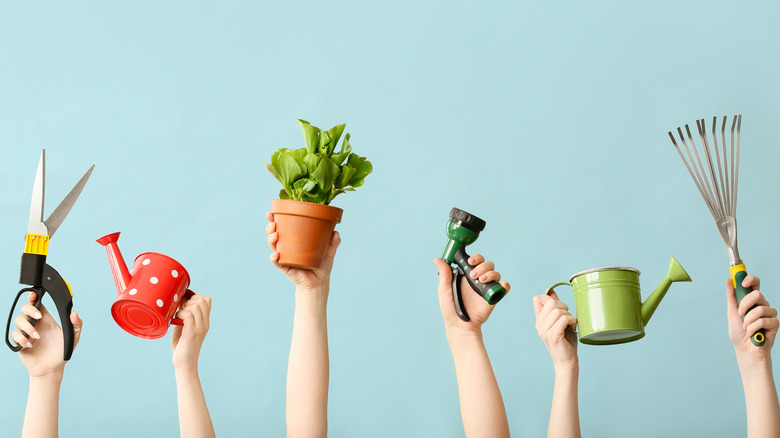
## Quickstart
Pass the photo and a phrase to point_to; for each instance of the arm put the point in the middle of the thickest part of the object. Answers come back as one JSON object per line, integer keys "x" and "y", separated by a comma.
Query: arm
{"x": 186, "y": 341}
{"x": 481, "y": 406}
{"x": 755, "y": 363}
{"x": 41, "y": 354}
{"x": 552, "y": 321}
{"x": 308, "y": 365}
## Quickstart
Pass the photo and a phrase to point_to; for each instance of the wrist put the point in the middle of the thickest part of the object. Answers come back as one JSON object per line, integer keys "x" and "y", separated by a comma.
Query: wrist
{"x": 460, "y": 336}
{"x": 568, "y": 369}
{"x": 186, "y": 370}
{"x": 312, "y": 298}
{"x": 750, "y": 362}
{"x": 53, "y": 378}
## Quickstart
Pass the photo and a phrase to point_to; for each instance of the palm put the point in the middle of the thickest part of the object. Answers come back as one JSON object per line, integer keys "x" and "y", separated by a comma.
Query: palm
{"x": 46, "y": 355}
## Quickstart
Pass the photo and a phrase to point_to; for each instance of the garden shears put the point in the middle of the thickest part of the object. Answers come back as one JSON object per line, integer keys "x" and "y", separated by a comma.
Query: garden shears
{"x": 35, "y": 272}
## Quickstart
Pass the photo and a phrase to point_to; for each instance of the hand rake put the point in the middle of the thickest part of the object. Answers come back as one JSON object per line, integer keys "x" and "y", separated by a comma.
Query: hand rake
{"x": 719, "y": 190}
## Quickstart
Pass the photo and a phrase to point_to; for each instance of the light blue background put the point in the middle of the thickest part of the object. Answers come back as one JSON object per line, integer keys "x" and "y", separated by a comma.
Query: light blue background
{"x": 548, "y": 120}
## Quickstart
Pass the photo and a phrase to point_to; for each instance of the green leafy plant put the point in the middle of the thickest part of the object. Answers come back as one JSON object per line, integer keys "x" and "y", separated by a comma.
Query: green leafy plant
{"x": 317, "y": 173}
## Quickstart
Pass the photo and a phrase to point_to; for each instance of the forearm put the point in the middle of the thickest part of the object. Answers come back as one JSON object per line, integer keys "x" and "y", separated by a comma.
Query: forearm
{"x": 564, "y": 414}
{"x": 42, "y": 413}
{"x": 481, "y": 406}
{"x": 194, "y": 418}
{"x": 763, "y": 409}
{"x": 308, "y": 367}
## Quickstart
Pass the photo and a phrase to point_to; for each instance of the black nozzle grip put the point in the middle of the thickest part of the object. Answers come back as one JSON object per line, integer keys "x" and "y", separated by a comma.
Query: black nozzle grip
{"x": 491, "y": 291}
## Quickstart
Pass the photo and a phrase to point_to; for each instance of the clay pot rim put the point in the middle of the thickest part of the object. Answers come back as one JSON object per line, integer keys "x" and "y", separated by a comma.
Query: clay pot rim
{"x": 306, "y": 209}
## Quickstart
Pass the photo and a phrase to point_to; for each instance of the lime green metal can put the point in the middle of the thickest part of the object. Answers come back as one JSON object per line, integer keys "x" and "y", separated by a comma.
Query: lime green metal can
{"x": 608, "y": 302}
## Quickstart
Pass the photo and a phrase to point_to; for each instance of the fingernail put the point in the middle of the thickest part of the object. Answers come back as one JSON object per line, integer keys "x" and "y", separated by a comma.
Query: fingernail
{"x": 483, "y": 278}
{"x": 29, "y": 345}
{"x": 36, "y": 335}
{"x": 473, "y": 274}
{"x": 38, "y": 315}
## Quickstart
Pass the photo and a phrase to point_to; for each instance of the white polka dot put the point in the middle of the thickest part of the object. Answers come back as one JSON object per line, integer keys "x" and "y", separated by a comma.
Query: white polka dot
{"x": 146, "y": 261}
{"x": 133, "y": 291}
{"x": 153, "y": 280}
{"x": 175, "y": 273}
{"x": 175, "y": 298}
{"x": 159, "y": 303}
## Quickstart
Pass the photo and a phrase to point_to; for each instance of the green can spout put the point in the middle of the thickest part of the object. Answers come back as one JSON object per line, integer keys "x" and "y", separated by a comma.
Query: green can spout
{"x": 674, "y": 274}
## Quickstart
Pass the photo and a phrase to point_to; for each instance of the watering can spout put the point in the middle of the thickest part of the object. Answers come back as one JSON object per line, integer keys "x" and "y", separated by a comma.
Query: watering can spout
{"x": 118, "y": 265}
{"x": 675, "y": 273}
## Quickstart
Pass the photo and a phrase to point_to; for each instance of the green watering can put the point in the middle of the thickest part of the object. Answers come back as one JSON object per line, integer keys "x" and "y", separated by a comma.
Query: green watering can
{"x": 609, "y": 306}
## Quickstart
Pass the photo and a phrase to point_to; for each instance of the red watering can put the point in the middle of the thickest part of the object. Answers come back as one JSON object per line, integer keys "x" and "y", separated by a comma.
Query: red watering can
{"x": 149, "y": 294}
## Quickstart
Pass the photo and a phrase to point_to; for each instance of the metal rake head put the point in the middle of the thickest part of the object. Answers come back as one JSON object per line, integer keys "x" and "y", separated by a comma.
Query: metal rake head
{"x": 719, "y": 189}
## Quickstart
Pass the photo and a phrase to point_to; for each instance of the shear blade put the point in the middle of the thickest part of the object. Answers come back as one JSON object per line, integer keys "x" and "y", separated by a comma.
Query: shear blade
{"x": 36, "y": 225}
{"x": 58, "y": 215}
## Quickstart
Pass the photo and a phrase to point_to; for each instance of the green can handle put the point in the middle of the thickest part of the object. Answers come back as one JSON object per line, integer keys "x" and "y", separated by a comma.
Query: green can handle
{"x": 758, "y": 339}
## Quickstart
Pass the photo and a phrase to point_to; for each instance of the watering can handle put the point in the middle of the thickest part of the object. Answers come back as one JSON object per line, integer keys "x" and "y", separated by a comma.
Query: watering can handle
{"x": 738, "y": 274}
{"x": 187, "y": 295}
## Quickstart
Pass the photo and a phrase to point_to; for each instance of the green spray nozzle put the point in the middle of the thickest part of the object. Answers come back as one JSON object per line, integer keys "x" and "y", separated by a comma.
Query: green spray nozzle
{"x": 463, "y": 229}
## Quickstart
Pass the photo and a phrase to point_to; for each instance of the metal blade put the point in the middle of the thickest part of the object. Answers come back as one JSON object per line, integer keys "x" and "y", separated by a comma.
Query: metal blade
{"x": 36, "y": 225}
{"x": 58, "y": 215}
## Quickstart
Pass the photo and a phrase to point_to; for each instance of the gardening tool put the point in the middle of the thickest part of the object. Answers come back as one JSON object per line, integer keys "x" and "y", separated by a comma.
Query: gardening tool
{"x": 149, "y": 294}
{"x": 463, "y": 230}
{"x": 35, "y": 271}
{"x": 719, "y": 191}
{"x": 609, "y": 305}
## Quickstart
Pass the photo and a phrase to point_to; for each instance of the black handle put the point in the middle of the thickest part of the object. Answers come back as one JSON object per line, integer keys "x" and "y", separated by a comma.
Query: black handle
{"x": 39, "y": 296}
{"x": 53, "y": 284}
{"x": 491, "y": 291}
{"x": 457, "y": 298}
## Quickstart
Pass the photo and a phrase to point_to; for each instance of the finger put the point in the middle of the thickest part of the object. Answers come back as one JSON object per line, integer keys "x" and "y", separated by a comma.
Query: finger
{"x": 205, "y": 306}
{"x": 269, "y": 216}
{"x": 24, "y": 325}
{"x": 562, "y": 323}
{"x": 31, "y": 311}
{"x": 548, "y": 307}
{"x": 77, "y": 325}
{"x": 270, "y": 228}
{"x": 330, "y": 254}
{"x": 482, "y": 268}
{"x": 490, "y": 276}
{"x": 553, "y": 294}
{"x": 754, "y": 298}
{"x": 758, "y": 313}
{"x": 186, "y": 316}
{"x": 768, "y": 324}
{"x": 476, "y": 259}
{"x": 507, "y": 286}
{"x": 752, "y": 280}
{"x": 731, "y": 300}
{"x": 272, "y": 239}
{"x": 20, "y": 339}
{"x": 445, "y": 275}
{"x": 553, "y": 316}
{"x": 32, "y": 297}
{"x": 275, "y": 260}
{"x": 539, "y": 301}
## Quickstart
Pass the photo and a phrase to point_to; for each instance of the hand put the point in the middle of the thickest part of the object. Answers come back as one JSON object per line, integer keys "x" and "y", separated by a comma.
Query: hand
{"x": 552, "y": 321}
{"x": 42, "y": 352}
{"x": 762, "y": 316}
{"x": 476, "y": 306}
{"x": 186, "y": 340}
{"x": 305, "y": 279}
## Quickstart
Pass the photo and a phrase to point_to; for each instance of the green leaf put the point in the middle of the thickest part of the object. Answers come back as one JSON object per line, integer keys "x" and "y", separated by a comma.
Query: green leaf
{"x": 311, "y": 134}
{"x": 286, "y": 168}
{"x": 305, "y": 185}
{"x": 311, "y": 161}
{"x": 337, "y": 192}
{"x": 283, "y": 194}
{"x": 342, "y": 155}
{"x": 362, "y": 166}
{"x": 330, "y": 139}
{"x": 317, "y": 195}
{"x": 326, "y": 174}
{"x": 347, "y": 172}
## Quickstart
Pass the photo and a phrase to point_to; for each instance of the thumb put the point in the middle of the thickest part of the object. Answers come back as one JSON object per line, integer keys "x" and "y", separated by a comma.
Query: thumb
{"x": 77, "y": 324}
{"x": 445, "y": 274}
{"x": 731, "y": 300}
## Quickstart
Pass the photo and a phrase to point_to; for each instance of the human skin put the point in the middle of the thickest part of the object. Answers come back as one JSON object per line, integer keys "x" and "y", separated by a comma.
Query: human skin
{"x": 555, "y": 325}
{"x": 481, "y": 405}
{"x": 41, "y": 354}
{"x": 308, "y": 365}
{"x": 186, "y": 343}
{"x": 755, "y": 363}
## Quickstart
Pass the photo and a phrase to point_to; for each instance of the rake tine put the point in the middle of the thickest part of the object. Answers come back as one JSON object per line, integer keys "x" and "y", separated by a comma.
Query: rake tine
{"x": 687, "y": 166}
{"x": 725, "y": 158}
{"x": 738, "y": 121}
{"x": 717, "y": 158}
{"x": 706, "y": 148}
{"x": 706, "y": 183}
{"x": 733, "y": 174}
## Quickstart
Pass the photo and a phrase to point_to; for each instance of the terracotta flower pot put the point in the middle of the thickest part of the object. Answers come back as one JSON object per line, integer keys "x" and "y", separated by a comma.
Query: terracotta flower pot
{"x": 304, "y": 230}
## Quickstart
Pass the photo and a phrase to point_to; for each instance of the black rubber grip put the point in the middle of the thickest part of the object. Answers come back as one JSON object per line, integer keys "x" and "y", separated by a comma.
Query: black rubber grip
{"x": 462, "y": 260}
{"x": 758, "y": 339}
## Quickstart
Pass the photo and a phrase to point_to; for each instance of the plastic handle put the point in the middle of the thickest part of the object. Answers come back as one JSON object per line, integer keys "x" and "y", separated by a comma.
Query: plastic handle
{"x": 492, "y": 292}
{"x": 758, "y": 339}
{"x": 58, "y": 289}
{"x": 187, "y": 295}
{"x": 39, "y": 296}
